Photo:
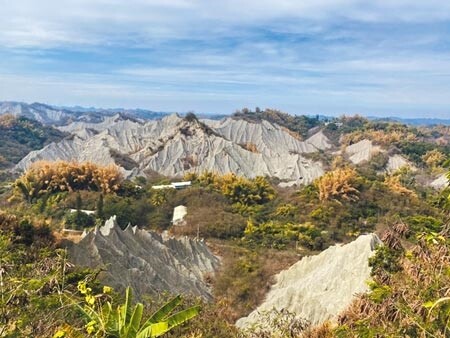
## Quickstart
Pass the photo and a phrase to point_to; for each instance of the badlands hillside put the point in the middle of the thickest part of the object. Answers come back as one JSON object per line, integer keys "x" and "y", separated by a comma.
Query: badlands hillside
{"x": 280, "y": 231}
{"x": 174, "y": 146}
{"x": 178, "y": 265}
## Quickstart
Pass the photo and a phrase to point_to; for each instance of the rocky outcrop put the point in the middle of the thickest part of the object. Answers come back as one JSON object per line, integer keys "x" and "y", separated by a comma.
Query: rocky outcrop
{"x": 396, "y": 162}
{"x": 145, "y": 260}
{"x": 179, "y": 212}
{"x": 440, "y": 182}
{"x": 174, "y": 146}
{"x": 318, "y": 288}
{"x": 362, "y": 151}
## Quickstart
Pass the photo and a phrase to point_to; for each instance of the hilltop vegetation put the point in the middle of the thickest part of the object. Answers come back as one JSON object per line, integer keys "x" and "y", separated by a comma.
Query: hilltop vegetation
{"x": 20, "y": 135}
{"x": 298, "y": 124}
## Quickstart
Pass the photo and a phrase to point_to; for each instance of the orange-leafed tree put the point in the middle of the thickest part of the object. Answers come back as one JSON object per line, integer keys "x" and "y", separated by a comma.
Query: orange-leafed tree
{"x": 50, "y": 177}
{"x": 337, "y": 185}
{"x": 393, "y": 182}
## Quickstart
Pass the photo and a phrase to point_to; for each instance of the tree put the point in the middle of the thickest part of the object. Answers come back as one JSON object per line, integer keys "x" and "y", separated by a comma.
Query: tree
{"x": 433, "y": 158}
{"x": 338, "y": 184}
{"x": 51, "y": 177}
{"x": 191, "y": 117}
{"x": 394, "y": 183}
{"x": 78, "y": 216}
{"x": 100, "y": 204}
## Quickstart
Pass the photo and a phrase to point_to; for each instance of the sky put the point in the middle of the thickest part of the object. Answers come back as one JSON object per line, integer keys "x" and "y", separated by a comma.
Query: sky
{"x": 331, "y": 57}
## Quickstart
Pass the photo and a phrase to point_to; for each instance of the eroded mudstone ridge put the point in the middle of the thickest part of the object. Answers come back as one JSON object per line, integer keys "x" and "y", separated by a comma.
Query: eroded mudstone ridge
{"x": 318, "y": 288}
{"x": 145, "y": 260}
{"x": 173, "y": 147}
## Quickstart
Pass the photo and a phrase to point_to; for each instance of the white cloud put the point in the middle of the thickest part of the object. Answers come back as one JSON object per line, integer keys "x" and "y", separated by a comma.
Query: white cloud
{"x": 48, "y": 23}
{"x": 220, "y": 55}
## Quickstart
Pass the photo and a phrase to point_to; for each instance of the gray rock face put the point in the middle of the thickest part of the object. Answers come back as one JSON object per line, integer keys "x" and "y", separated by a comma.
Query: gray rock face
{"x": 440, "y": 182}
{"x": 318, "y": 288}
{"x": 40, "y": 112}
{"x": 145, "y": 261}
{"x": 173, "y": 146}
{"x": 396, "y": 162}
{"x": 362, "y": 151}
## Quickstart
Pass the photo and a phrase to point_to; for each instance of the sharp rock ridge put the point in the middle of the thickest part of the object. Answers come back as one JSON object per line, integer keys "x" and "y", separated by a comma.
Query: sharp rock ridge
{"x": 174, "y": 146}
{"x": 145, "y": 260}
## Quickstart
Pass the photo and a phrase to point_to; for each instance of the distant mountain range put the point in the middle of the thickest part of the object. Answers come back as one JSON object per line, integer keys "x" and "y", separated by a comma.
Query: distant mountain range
{"x": 420, "y": 121}
{"x": 53, "y": 115}
{"x": 62, "y": 115}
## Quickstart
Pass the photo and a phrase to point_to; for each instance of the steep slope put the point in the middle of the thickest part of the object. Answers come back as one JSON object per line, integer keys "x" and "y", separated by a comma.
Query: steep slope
{"x": 396, "y": 162}
{"x": 267, "y": 137}
{"x": 146, "y": 261}
{"x": 319, "y": 287}
{"x": 440, "y": 182}
{"x": 362, "y": 151}
{"x": 42, "y": 113}
{"x": 173, "y": 146}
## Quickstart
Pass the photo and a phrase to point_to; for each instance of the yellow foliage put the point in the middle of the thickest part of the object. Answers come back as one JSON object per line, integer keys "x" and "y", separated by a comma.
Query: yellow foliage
{"x": 433, "y": 158}
{"x": 285, "y": 210}
{"x": 337, "y": 184}
{"x": 7, "y": 120}
{"x": 250, "y": 228}
{"x": 381, "y": 137}
{"x": 208, "y": 178}
{"x": 238, "y": 189}
{"x": 44, "y": 176}
{"x": 190, "y": 176}
{"x": 338, "y": 162}
{"x": 394, "y": 184}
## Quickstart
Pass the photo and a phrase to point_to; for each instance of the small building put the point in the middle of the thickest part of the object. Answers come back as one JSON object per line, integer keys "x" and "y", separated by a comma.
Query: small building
{"x": 87, "y": 212}
{"x": 164, "y": 186}
{"x": 178, "y": 215}
{"x": 173, "y": 185}
{"x": 181, "y": 185}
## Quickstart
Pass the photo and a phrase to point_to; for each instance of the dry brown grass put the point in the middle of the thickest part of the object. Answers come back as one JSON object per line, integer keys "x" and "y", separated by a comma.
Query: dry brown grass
{"x": 250, "y": 147}
{"x": 423, "y": 276}
{"x": 245, "y": 276}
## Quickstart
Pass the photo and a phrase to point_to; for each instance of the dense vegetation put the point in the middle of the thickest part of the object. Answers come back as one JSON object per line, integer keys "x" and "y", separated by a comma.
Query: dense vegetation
{"x": 298, "y": 124}
{"x": 256, "y": 227}
{"x": 19, "y": 136}
{"x": 53, "y": 177}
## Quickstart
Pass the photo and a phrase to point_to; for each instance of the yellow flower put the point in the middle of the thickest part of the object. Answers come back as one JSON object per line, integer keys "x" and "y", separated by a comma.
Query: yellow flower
{"x": 82, "y": 287}
{"x": 90, "y": 299}
{"x": 90, "y": 327}
{"x": 107, "y": 289}
{"x": 409, "y": 254}
{"x": 59, "y": 334}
